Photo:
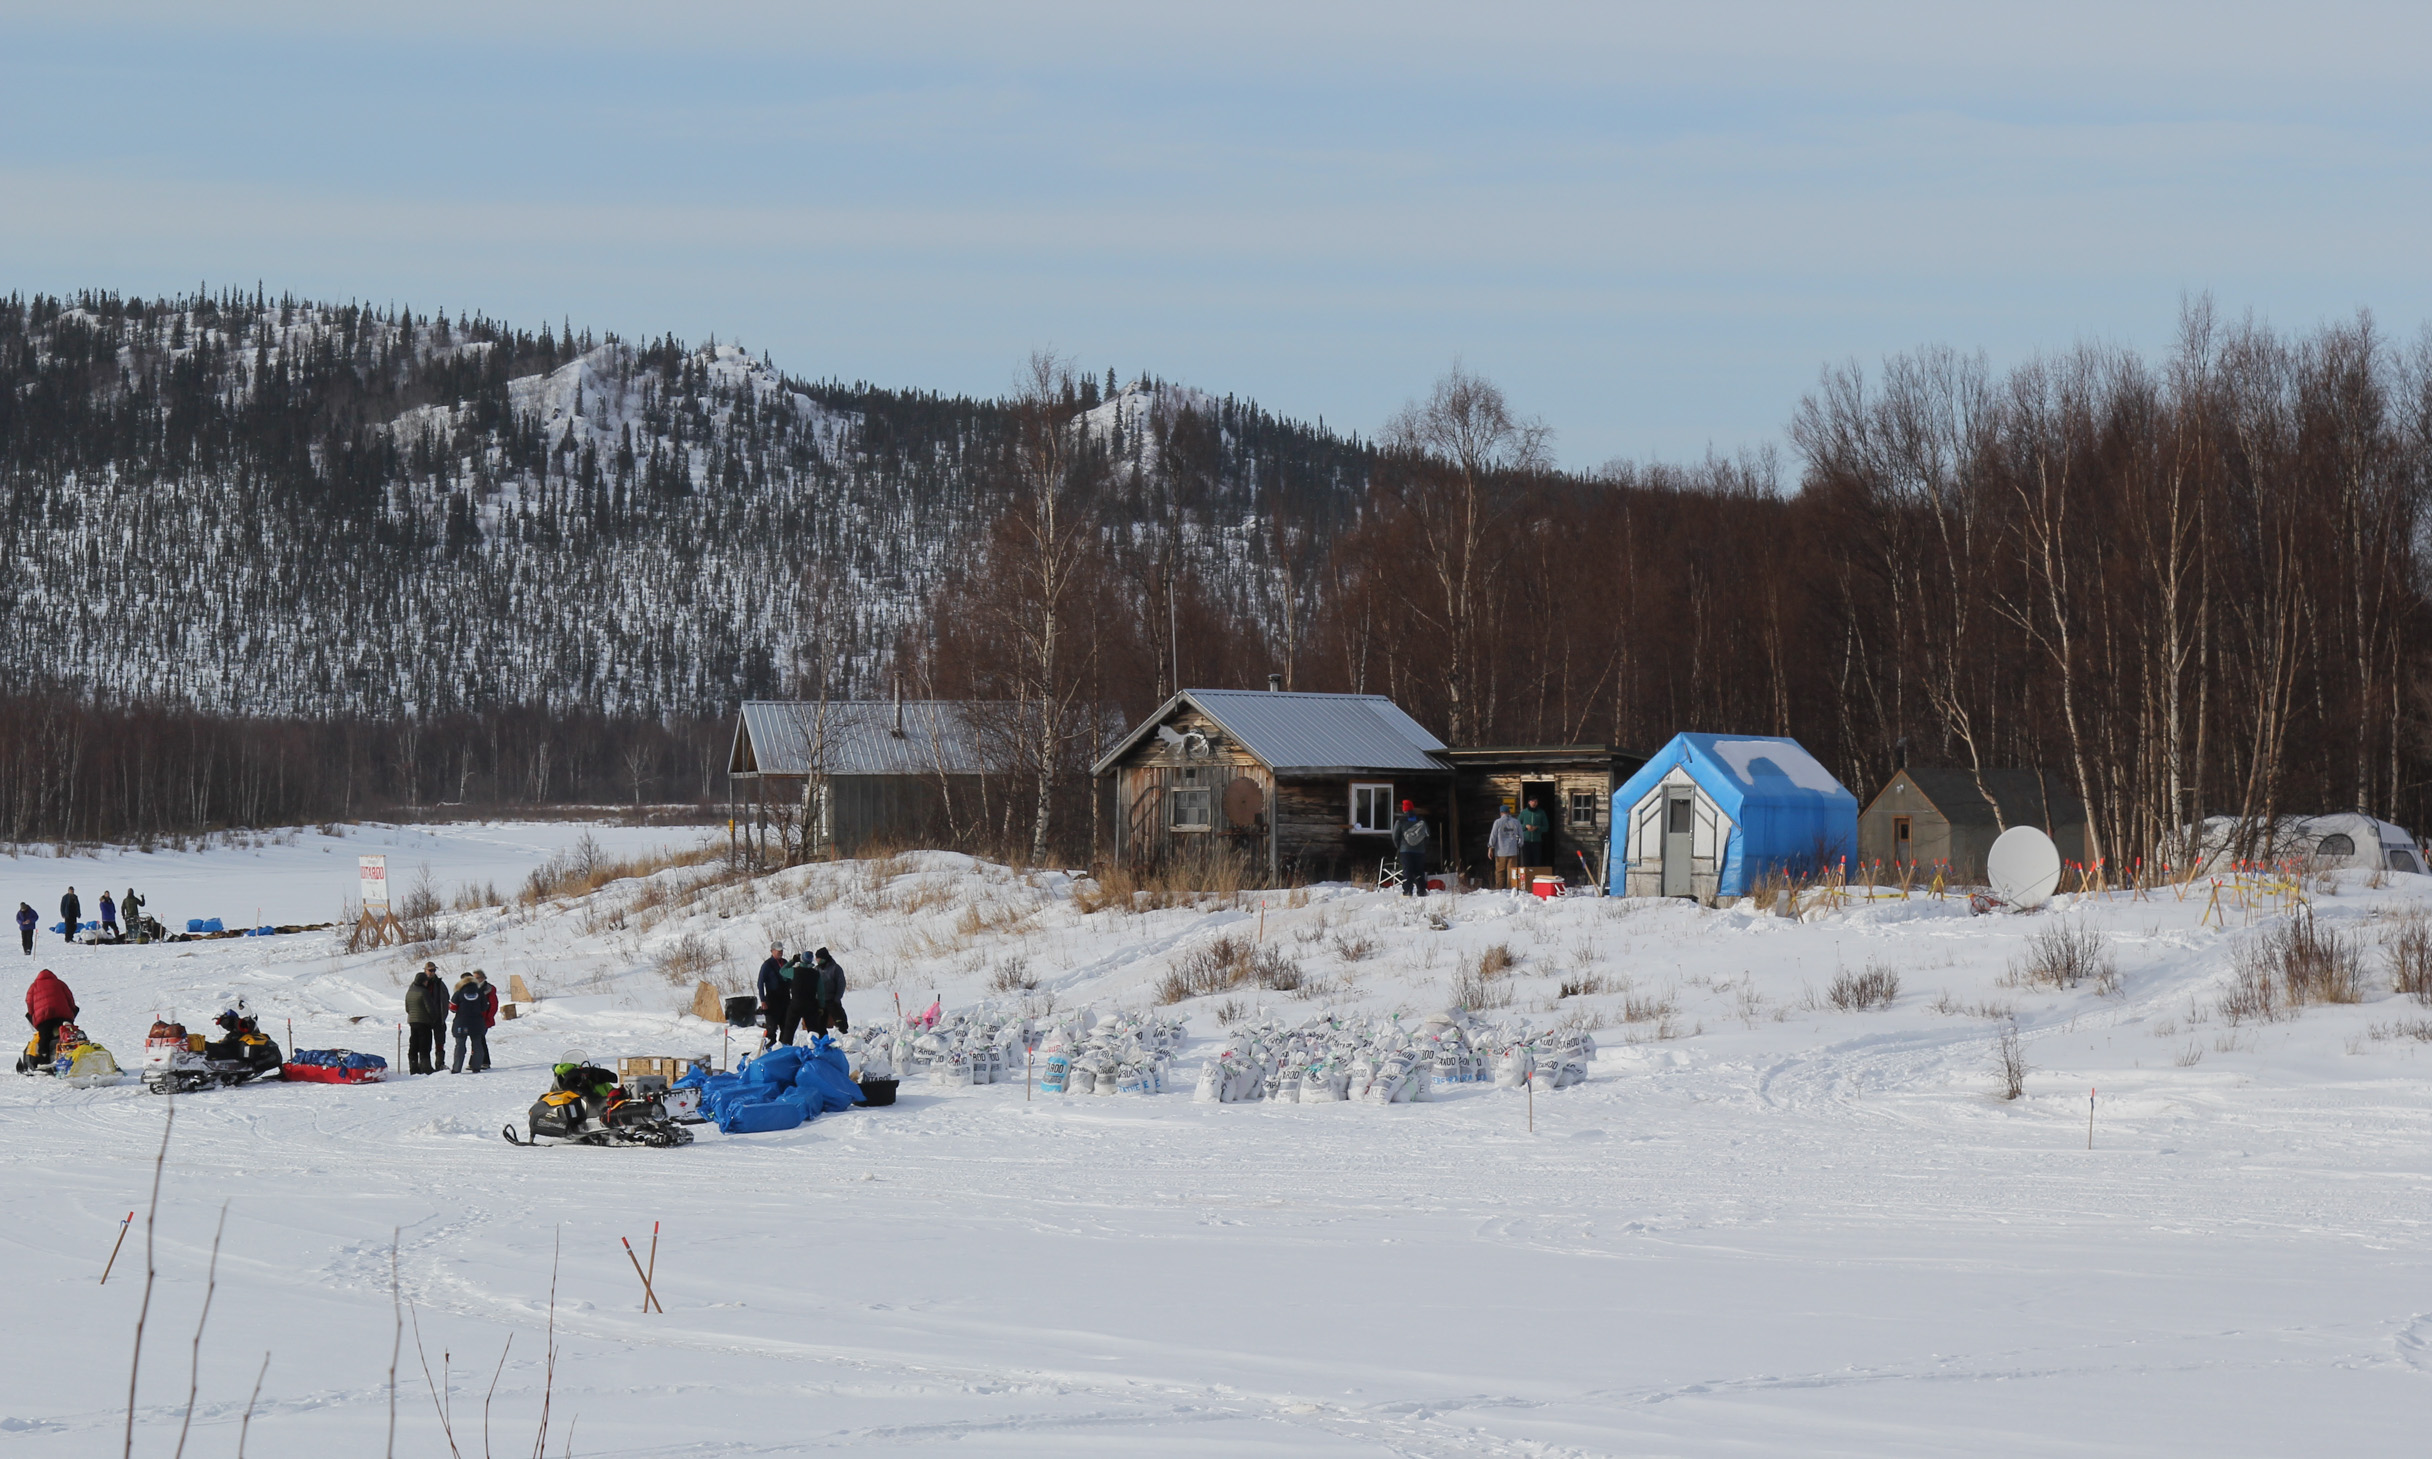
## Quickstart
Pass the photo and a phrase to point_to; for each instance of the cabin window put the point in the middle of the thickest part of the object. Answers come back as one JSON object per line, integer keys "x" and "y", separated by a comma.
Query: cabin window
{"x": 2337, "y": 844}
{"x": 1583, "y": 807}
{"x": 1372, "y": 808}
{"x": 1190, "y": 802}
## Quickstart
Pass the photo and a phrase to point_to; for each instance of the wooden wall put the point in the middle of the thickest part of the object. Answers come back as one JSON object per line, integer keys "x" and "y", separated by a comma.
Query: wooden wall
{"x": 1483, "y": 791}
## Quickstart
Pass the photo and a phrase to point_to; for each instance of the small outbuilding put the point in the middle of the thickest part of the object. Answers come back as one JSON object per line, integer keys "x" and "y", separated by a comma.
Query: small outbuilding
{"x": 1300, "y": 785}
{"x": 1710, "y": 816}
{"x": 889, "y": 772}
{"x": 1925, "y": 818}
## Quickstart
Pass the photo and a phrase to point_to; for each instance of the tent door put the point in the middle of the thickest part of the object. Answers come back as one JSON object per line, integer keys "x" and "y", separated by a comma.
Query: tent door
{"x": 1680, "y": 814}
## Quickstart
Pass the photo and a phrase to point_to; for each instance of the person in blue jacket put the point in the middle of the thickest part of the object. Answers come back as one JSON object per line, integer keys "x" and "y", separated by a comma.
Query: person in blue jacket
{"x": 109, "y": 917}
{"x": 472, "y": 1004}
{"x": 27, "y": 919}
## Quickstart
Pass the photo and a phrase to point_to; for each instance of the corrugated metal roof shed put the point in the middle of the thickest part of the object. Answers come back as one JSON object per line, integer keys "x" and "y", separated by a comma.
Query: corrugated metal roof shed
{"x": 1305, "y": 734}
{"x": 941, "y": 737}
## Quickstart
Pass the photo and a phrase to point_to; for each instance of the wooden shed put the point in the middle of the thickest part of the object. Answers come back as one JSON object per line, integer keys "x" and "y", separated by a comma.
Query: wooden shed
{"x": 1930, "y": 817}
{"x": 894, "y": 772}
{"x": 1573, "y": 784}
{"x": 1300, "y": 785}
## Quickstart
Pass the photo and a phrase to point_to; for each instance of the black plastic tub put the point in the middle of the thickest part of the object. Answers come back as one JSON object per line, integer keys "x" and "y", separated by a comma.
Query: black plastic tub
{"x": 878, "y": 1091}
{"x": 743, "y": 1011}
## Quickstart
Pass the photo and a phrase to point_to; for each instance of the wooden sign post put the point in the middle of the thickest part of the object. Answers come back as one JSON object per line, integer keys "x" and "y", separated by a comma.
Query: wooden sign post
{"x": 378, "y": 926}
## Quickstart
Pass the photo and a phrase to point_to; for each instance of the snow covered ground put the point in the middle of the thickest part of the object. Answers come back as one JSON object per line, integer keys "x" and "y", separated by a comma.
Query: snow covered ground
{"x": 1764, "y": 1225}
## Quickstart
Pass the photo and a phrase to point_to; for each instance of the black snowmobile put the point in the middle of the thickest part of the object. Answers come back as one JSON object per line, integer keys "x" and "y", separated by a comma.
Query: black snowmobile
{"x": 586, "y": 1105}
{"x": 241, "y": 1055}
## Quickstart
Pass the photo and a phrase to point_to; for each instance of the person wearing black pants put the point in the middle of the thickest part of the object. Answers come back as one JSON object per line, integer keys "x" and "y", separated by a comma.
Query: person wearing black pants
{"x": 71, "y": 915}
{"x": 426, "y": 1013}
{"x": 827, "y": 984}
{"x": 776, "y": 1022}
{"x": 26, "y": 920}
{"x": 1410, "y": 837}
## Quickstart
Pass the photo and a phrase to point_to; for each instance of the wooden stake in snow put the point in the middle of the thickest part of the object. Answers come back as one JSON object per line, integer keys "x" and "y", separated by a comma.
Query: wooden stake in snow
{"x": 121, "y": 1241}
{"x": 1529, "y": 1080}
{"x": 650, "y": 1274}
{"x": 648, "y": 1299}
{"x": 2089, "y": 1119}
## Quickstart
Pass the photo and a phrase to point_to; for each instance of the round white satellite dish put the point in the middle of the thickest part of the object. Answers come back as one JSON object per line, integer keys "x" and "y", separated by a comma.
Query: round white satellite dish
{"x": 2023, "y": 867}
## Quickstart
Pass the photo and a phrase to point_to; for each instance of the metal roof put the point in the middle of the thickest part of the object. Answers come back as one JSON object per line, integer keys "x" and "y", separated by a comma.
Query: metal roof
{"x": 1304, "y": 734}
{"x": 941, "y": 737}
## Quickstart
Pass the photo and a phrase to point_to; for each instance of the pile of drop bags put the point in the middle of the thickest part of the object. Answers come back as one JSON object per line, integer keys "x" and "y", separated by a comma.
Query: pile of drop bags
{"x": 1383, "y": 1061}
{"x": 1129, "y": 1053}
{"x": 776, "y": 1090}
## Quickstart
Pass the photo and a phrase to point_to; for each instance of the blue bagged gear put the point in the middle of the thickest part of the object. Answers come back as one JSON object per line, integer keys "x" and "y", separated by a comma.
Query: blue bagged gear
{"x": 761, "y": 1118}
{"x": 776, "y": 1068}
{"x": 822, "y": 1082}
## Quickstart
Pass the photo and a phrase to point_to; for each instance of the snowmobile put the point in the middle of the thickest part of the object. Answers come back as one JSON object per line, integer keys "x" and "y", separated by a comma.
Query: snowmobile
{"x": 586, "y": 1105}
{"x": 74, "y": 1058}
{"x": 242, "y": 1056}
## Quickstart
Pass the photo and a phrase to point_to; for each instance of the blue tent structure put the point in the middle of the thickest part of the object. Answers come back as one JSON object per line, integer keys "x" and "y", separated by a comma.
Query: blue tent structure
{"x": 1709, "y": 815}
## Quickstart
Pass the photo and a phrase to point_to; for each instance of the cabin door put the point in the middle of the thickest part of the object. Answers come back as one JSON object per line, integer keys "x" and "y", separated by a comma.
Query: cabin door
{"x": 1680, "y": 816}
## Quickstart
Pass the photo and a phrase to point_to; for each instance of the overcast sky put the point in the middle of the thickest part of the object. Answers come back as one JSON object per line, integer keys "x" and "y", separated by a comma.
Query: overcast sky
{"x": 1652, "y": 224}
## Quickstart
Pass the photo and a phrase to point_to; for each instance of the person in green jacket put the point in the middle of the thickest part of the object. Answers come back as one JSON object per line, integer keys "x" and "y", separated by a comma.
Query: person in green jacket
{"x": 1533, "y": 826}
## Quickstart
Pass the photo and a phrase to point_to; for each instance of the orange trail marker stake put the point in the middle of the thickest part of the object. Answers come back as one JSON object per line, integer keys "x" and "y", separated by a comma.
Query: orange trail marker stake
{"x": 121, "y": 1241}
{"x": 647, "y": 1299}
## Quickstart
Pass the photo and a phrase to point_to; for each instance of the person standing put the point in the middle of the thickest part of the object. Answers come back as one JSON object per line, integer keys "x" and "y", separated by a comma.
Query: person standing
{"x": 1410, "y": 838}
{"x": 27, "y": 920}
{"x": 426, "y": 1018}
{"x": 469, "y": 1005}
{"x": 1533, "y": 826}
{"x": 828, "y": 991}
{"x": 109, "y": 916}
{"x": 774, "y": 999}
{"x": 1503, "y": 842}
{"x": 71, "y": 914}
{"x": 131, "y": 911}
{"x": 48, "y": 1004}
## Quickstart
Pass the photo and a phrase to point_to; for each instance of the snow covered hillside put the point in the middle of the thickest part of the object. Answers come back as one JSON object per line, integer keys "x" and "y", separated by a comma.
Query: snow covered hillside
{"x": 271, "y": 495}
{"x": 1764, "y": 1224}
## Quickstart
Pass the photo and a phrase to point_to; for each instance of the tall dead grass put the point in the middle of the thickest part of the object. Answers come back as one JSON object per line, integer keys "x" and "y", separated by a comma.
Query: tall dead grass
{"x": 1191, "y": 879}
{"x": 586, "y": 866}
{"x": 1229, "y": 962}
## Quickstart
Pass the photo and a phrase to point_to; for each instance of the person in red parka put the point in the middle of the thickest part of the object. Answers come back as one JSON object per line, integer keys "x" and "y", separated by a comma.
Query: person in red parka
{"x": 48, "y": 1004}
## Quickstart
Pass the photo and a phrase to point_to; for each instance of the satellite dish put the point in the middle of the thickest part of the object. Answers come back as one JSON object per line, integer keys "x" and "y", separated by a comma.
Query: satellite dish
{"x": 2023, "y": 867}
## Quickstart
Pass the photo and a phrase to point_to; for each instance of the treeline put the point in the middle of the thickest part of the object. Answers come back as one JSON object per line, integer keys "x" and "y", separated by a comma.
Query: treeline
{"x": 74, "y": 771}
{"x": 2190, "y": 585}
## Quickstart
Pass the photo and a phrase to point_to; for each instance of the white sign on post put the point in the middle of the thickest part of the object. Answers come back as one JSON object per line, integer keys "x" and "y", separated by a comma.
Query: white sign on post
{"x": 375, "y": 881}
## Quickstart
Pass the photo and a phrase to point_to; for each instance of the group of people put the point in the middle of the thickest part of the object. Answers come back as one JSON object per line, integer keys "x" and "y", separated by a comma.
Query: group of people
{"x": 431, "y": 1007}
{"x": 1515, "y": 840}
{"x": 805, "y": 992}
{"x": 71, "y": 918}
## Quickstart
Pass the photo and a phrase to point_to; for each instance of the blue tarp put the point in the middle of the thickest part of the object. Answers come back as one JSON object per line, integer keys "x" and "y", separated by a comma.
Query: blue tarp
{"x": 1784, "y": 806}
{"x": 204, "y": 924}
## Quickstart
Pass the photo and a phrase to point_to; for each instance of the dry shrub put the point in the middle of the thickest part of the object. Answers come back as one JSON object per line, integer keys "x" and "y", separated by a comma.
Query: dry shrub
{"x": 2409, "y": 945}
{"x": 1584, "y": 985}
{"x": 1876, "y": 987}
{"x": 2293, "y": 963}
{"x": 1229, "y": 962}
{"x": 2419, "y": 1029}
{"x": 690, "y": 959}
{"x": 1635, "y": 1009}
{"x": 2010, "y": 1058}
{"x": 2064, "y": 955}
{"x": 1184, "y": 879}
{"x": 1013, "y": 975}
{"x": 1231, "y": 1011}
{"x": 471, "y": 898}
{"x": 2253, "y": 995}
{"x": 1354, "y": 949}
{"x": 1496, "y": 960}
{"x": 418, "y": 910}
{"x": 1475, "y": 993}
